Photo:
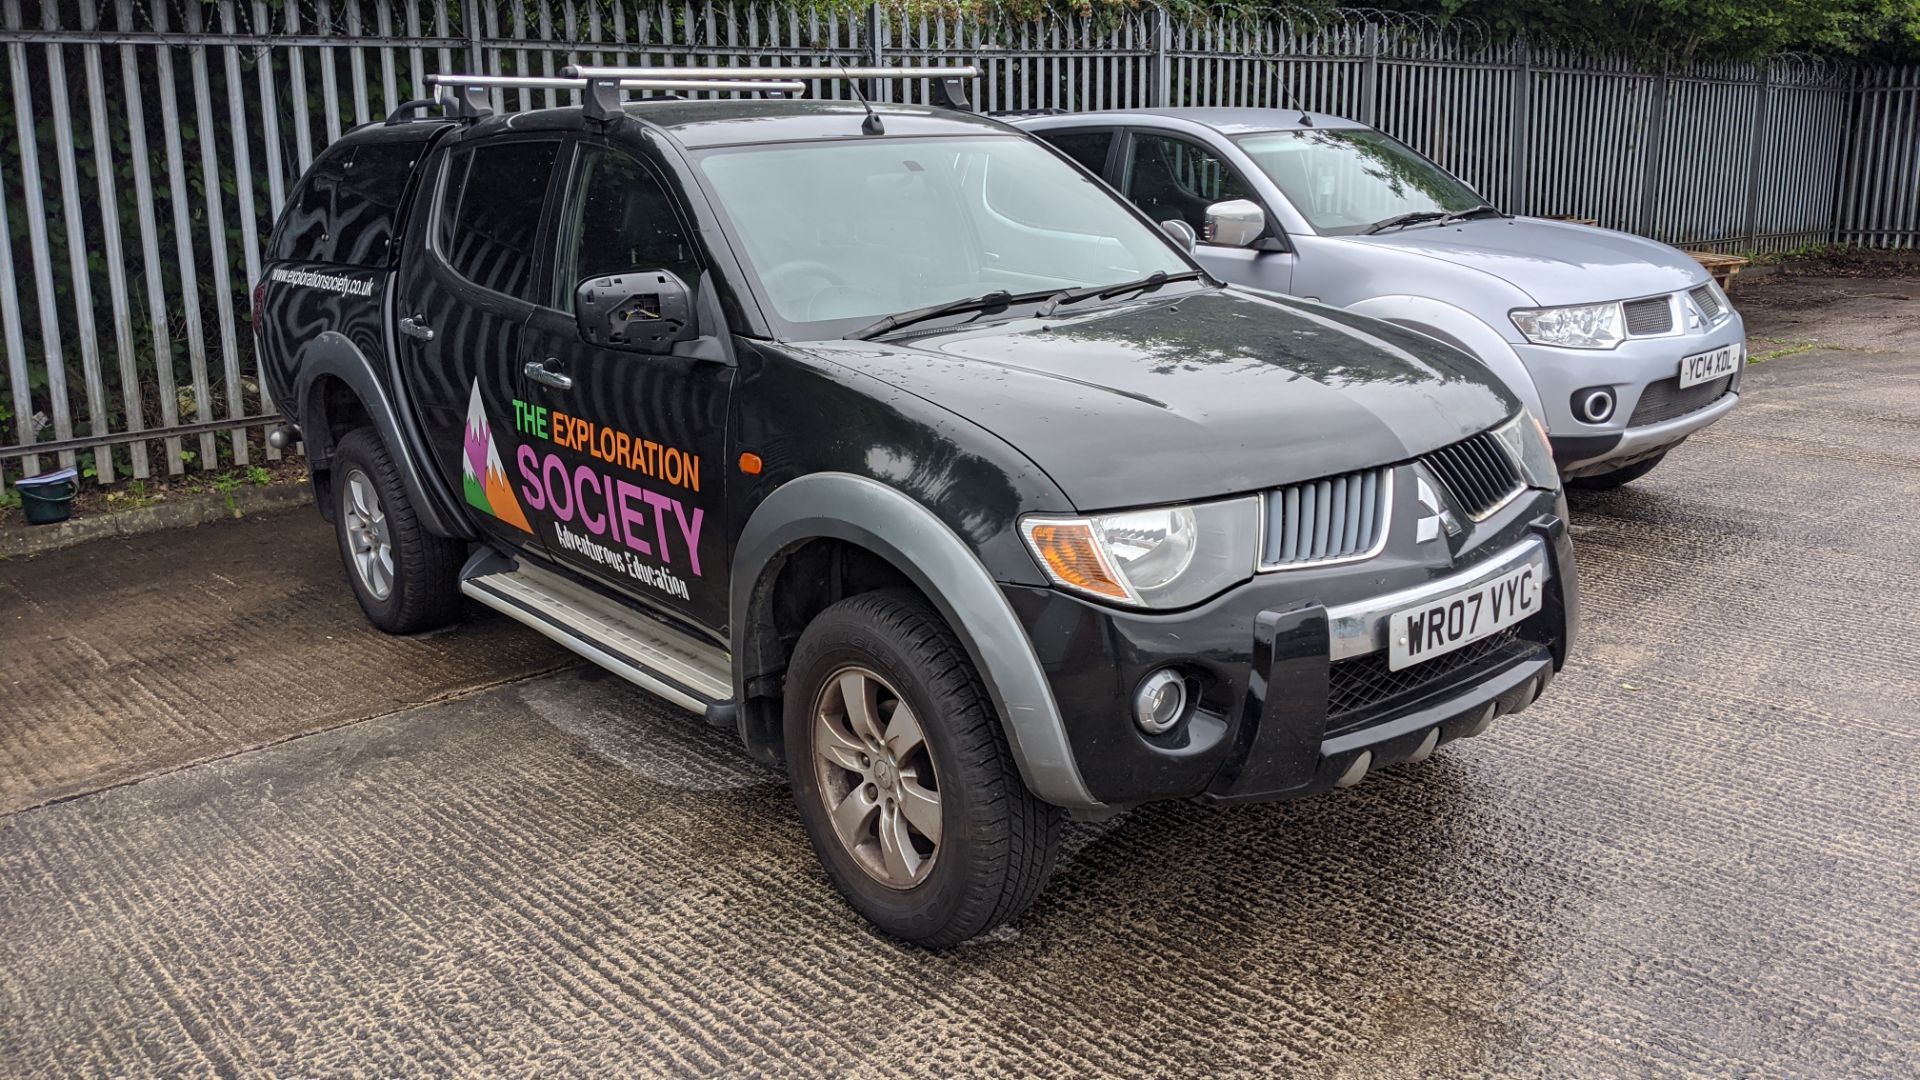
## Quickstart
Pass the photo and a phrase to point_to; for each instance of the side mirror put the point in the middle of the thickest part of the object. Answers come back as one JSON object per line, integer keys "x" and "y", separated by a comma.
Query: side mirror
{"x": 1181, "y": 232}
{"x": 1235, "y": 223}
{"x": 645, "y": 311}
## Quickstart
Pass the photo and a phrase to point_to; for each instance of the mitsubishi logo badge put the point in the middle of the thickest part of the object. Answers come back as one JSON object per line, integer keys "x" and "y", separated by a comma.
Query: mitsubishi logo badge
{"x": 1437, "y": 515}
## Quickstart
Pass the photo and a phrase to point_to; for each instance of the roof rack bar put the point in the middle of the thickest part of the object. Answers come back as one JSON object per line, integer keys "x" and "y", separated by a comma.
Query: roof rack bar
{"x": 536, "y": 82}
{"x": 959, "y": 71}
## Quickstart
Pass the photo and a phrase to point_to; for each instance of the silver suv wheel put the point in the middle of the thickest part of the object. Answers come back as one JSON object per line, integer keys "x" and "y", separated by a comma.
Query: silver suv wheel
{"x": 369, "y": 541}
{"x": 877, "y": 777}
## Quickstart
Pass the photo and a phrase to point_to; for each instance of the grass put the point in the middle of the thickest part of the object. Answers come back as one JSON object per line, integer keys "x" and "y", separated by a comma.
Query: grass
{"x": 1785, "y": 350}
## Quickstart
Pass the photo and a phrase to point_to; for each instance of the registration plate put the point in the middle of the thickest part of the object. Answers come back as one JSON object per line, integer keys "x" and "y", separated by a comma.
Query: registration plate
{"x": 1708, "y": 366}
{"x": 1442, "y": 625}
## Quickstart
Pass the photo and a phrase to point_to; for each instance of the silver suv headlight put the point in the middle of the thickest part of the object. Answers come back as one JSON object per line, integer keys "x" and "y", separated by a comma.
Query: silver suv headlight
{"x": 1581, "y": 326}
{"x": 1526, "y": 443}
{"x": 1165, "y": 557}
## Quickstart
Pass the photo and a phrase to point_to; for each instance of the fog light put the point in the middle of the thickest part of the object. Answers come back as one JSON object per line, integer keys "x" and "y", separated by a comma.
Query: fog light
{"x": 1594, "y": 405}
{"x": 1160, "y": 702}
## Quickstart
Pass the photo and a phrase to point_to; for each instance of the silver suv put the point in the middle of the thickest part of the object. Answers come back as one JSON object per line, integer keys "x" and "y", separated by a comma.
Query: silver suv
{"x": 1622, "y": 346}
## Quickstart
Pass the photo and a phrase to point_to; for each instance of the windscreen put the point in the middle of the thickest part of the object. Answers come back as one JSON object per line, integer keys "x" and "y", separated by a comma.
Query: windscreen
{"x": 855, "y": 230}
{"x": 1347, "y": 181}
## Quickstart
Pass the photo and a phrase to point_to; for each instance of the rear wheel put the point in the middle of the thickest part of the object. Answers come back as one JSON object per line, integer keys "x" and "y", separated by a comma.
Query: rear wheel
{"x": 1607, "y": 481}
{"x": 404, "y": 576}
{"x": 904, "y": 780}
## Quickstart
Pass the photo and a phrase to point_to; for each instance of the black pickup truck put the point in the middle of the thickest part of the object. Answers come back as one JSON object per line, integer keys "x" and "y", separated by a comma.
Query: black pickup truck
{"x": 890, "y": 438}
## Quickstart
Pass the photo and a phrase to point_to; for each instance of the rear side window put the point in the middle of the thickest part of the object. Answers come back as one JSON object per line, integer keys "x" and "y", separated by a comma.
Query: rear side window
{"x": 490, "y": 220}
{"x": 344, "y": 210}
{"x": 1089, "y": 148}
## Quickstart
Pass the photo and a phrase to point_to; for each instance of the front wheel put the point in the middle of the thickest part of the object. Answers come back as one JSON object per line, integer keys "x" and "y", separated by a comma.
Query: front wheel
{"x": 905, "y": 783}
{"x": 1621, "y": 477}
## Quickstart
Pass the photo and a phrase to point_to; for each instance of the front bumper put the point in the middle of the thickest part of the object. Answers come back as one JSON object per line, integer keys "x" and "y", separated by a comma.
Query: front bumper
{"x": 1292, "y": 692}
{"x": 1639, "y": 371}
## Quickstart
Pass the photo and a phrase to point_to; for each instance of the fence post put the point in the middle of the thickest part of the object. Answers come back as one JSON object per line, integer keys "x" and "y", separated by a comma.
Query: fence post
{"x": 470, "y": 15}
{"x": 1655, "y": 135}
{"x": 1764, "y": 83}
{"x": 1370, "y": 80}
{"x": 1518, "y": 201}
{"x": 1162, "y": 78}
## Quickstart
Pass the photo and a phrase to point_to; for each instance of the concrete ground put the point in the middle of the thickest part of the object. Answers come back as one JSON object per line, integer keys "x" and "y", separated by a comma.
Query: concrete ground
{"x": 245, "y": 834}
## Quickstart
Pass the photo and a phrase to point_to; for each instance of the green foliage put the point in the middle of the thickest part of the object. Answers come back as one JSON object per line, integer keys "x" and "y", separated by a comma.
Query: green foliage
{"x": 1701, "y": 29}
{"x": 258, "y": 476}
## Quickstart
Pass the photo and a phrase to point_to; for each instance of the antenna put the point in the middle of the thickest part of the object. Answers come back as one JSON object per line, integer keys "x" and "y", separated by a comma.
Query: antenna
{"x": 1305, "y": 120}
{"x": 871, "y": 125}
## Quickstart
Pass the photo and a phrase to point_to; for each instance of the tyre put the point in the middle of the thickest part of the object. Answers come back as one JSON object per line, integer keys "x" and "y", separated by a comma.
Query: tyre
{"x": 1607, "y": 481}
{"x": 405, "y": 578}
{"x": 904, "y": 779}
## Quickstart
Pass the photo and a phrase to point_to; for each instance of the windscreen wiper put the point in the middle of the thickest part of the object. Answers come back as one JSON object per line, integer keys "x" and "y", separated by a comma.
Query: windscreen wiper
{"x": 1401, "y": 220}
{"x": 1108, "y": 292}
{"x": 1472, "y": 211}
{"x": 998, "y": 298}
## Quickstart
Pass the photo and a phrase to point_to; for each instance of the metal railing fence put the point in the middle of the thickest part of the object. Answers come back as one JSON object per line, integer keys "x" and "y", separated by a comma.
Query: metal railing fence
{"x": 146, "y": 145}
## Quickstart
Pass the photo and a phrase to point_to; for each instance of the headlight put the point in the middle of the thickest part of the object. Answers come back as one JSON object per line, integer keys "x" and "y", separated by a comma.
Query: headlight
{"x": 1585, "y": 326}
{"x": 1167, "y": 557}
{"x": 1526, "y": 443}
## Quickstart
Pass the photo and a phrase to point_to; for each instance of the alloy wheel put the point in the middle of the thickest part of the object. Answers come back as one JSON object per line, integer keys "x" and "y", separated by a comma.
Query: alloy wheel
{"x": 369, "y": 542}
{"x": 877, "y": 777}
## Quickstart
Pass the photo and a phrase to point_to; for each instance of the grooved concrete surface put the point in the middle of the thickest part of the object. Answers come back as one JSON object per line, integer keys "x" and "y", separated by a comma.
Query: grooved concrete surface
{"x": 127, "y": 657}
{"x": 1696, "y": 858}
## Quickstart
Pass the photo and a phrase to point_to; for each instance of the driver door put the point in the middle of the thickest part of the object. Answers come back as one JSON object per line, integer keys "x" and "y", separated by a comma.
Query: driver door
{"x": 1170, "y": 177}
{"x": 625, "y": 467}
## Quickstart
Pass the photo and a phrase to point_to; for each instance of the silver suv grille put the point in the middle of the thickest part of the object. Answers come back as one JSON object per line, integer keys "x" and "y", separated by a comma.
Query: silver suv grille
{"x": 1328, "y": 520}
{"x": 1653, "y": 315}
{"x": 1476, "y": 472}
{"x": 1704, "y": 299}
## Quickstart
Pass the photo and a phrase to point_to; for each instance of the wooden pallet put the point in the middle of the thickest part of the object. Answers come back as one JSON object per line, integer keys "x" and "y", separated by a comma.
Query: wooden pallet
{"x": 1722, "y": 267}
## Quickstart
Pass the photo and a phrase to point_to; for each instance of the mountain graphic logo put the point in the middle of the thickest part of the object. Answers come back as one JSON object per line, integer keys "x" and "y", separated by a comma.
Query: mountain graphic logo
{"x": 483, "y": 474}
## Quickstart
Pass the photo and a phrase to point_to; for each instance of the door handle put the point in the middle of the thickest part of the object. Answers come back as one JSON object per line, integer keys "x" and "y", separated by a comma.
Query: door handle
{"x": 411, "y": 326}
{"x": 544, "y": 373}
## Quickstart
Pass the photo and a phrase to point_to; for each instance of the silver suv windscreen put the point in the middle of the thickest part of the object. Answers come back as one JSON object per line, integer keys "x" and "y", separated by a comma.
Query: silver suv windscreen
{"x": 1348, "y": 180}
{"x": 841, "y": 233}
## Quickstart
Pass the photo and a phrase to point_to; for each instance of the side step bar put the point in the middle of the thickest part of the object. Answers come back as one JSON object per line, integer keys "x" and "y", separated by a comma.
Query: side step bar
{"x": 644, "y": 651}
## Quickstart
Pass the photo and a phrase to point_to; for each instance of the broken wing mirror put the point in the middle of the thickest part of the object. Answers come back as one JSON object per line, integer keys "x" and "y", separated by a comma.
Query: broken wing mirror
{"x": 1181, "y": 232}
{"x": 644, "y": 311}
{"x": 1235, "y": 223}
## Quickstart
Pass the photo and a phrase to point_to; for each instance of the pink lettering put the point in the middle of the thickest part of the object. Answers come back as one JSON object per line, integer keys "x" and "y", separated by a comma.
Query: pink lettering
{"x": 530, "y": 492}
{"x": 553, "y": 474}
{"x": 631, "y": 519}
{"x": 584, "y": 477}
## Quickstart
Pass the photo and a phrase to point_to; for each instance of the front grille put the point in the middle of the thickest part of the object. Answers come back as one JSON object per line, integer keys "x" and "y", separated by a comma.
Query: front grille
{"x": 1653, "y": 315}
{"x": 1476, "y": 471}
{"x": 1664, "y": 400}
{"x": 1704, "y": 299}
{"x": 1339, "y": 517}
{"x": 1363, "y": 689}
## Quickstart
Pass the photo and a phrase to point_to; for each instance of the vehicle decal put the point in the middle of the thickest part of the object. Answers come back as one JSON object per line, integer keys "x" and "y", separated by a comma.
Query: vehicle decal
{"x": 333, "y": 283}
{"x": 483, "y": 474}
{"x": 623, "y": 521}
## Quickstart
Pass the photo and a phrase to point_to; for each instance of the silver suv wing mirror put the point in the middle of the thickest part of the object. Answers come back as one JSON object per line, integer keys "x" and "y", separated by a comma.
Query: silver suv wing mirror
{"x": 1181, "y": 232}
{"x": 1235, "y": 223}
